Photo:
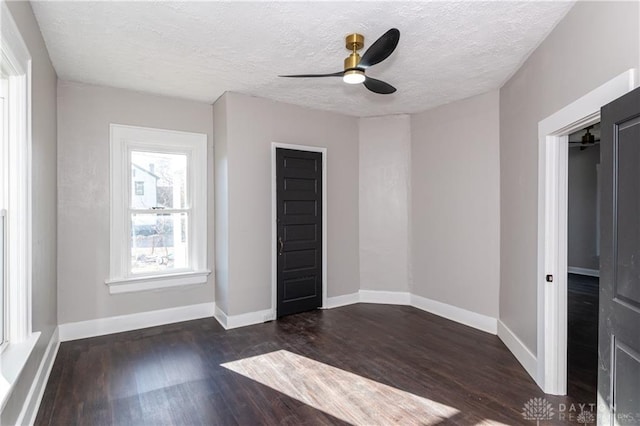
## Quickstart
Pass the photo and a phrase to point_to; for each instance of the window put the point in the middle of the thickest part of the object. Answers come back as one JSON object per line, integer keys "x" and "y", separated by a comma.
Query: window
{"x": 17, "y": 338}
{"x": 158, "y": 208}
{"x": 139, "y": 187}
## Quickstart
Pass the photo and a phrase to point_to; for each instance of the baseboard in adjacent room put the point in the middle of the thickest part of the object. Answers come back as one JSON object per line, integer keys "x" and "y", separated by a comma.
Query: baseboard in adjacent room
{"x": 583, "y": 271}
{"x": 118, "y": 324}
{"x": 32, "y": 402}
{"x": 524, "y": 356}
{"x": 472, "y": 319}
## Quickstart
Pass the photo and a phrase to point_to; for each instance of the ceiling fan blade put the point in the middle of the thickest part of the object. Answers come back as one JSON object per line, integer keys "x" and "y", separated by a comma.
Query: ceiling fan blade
{"x": 597, "y": 141}
{"x": 335, "y": 74}
{"x": 378, "y": 86}
{"x": 381, "y": 49}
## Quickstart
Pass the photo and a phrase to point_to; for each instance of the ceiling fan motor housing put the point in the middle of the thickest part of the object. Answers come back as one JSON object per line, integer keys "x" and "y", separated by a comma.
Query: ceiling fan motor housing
{"x": 351, "y": 61}
{"x": 353, "y": 42}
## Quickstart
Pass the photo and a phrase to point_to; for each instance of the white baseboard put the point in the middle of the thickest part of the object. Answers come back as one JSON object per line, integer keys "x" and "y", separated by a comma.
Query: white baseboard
{"x": 454, "y": 313}
{"x": 117, "y": 324}
{"x": 524, "y": 356}
{"x": 583, "y": 271}
{"x": 250, "y": 318}
{"x": 344, "y": 300}
{"x": 472, "y": 319}
{"x": 385, "y": 297}
{"x": 32, "y": 402}
{"x": 221, "y": 317}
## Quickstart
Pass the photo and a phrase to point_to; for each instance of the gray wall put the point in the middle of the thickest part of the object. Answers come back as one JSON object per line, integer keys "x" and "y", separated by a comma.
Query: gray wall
{"x": 252, "y": 124}
{"x": 385, "y": 205}
{"x": 44, "y": 201}
{"x": 84, "y": 115}
{"x": 595, "y": 42}
{"x": 221, "y": 204}
{"x": 456, "y": 204}
{"x": 583, "y": 208}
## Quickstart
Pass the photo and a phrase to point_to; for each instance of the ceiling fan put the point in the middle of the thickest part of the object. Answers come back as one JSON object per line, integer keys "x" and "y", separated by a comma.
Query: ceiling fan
{"x": 588, "y": 140}
{"x": 355, "y": 67}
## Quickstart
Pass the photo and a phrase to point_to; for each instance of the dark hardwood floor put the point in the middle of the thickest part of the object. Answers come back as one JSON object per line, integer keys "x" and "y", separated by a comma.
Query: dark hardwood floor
{"x": 360, "y": 364}
{"x": 582, "y": 337}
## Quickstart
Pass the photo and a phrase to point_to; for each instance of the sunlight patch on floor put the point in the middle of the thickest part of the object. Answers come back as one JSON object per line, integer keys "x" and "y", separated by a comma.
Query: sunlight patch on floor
{"x": 339, "y": 393}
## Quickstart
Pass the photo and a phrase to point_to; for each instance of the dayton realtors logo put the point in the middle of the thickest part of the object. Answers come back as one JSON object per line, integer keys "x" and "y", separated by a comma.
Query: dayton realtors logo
{"x": 539, "y": 409}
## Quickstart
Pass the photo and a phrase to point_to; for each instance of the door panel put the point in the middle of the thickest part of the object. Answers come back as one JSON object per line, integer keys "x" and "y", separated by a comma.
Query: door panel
{"x": 300, "y": 185}
{"x": 299, "y": 209}
{"x": 301, "y": 233}
{"x": 627, "y": 383}
{"x": 628, "y": 256}
{"x": 298, "y": 288}
{"x": 619, "y": 321}
{"x": 297, "y": 260}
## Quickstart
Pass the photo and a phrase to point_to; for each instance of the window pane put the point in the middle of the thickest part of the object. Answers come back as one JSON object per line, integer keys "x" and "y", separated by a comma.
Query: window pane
{"x": 158, "y": 180}
{"x": 158, "y": 242}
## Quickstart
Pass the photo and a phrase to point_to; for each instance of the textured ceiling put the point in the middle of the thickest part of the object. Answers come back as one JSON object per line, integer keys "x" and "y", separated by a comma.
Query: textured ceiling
{"x": 198, "y": 50}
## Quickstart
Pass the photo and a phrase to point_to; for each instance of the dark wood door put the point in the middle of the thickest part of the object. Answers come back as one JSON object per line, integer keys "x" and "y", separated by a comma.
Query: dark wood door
{"x": 619, "y": 328}
{"x": 299, "y": 245}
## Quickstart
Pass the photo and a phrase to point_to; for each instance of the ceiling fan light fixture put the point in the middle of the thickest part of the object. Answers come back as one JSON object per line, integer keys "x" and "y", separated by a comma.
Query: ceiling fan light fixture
{"x": 353, "y": 77}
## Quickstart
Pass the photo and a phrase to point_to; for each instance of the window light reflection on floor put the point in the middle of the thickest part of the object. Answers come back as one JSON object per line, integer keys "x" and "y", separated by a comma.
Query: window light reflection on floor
{"x": 339, "y": 393}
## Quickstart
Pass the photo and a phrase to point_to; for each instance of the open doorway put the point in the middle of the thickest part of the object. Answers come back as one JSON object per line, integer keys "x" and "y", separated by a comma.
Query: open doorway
{"x": 552, "y": 293}
{"x": 583, "y": 262}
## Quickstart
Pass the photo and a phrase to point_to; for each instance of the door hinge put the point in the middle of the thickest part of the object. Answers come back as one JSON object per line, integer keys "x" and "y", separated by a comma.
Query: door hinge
{"x": 549, "y": 278}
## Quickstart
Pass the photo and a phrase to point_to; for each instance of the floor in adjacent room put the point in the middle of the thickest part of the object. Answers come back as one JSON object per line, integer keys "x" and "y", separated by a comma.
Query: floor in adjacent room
{"x": 582, "y": 337}
{"x": 359, "y": 364}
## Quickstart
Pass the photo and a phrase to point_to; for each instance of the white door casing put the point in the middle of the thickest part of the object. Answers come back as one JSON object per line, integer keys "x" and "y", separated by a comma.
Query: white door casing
{"x": 553, "y": 134}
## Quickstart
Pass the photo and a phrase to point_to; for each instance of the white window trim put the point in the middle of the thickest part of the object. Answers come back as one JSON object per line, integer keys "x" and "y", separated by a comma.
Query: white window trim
{"x": 123, "y": 139}
{"x": 15, "y": 62}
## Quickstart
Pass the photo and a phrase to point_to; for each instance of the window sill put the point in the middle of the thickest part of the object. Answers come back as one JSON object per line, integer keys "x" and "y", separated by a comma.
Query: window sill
{"x": 128, "y": 285}
{"x": 13, "y": 359}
